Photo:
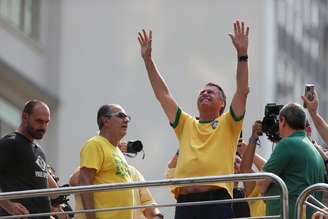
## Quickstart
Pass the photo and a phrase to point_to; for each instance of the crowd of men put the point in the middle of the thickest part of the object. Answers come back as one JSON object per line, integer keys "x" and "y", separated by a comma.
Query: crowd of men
{"x": 209, "y": 145}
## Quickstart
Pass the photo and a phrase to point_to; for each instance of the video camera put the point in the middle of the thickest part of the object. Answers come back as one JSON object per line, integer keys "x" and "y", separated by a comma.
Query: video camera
{"x": 270, "y": 122}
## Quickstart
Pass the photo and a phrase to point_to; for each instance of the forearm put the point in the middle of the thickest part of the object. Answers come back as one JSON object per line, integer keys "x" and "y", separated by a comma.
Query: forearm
{"x": 263, "y": 186}
{"x": 239, "y": 99}
{"x": 321, "y": 125}
{"x": 86, "y": 178}
{"x": 242, "y": 75}
{"x": 88, "y": 203}
{"x": 259, "y": 162}
{"x": 156, "y": 80}
{"x": 247, "y": 159}
{"x": 246, "y": 166}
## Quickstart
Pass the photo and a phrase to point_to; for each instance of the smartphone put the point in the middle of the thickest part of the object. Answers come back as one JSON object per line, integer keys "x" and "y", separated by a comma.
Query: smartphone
{"x": 309, "y": 92}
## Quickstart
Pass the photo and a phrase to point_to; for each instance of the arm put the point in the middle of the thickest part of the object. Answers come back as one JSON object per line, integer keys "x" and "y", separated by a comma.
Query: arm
{"x": 152, "y": 213}
{"x": 318, "y": 121}
{"x": 173, "y": 162}
{"x": 13, "y": 208}
{"x": 74, "y": 180}
{"x": 248, "y": 157}
{"x": 157, "y": 82}
{"x": 86, "y": 178}
{"x": 240, "y": 42}
{"x": 259, "y": 162}
{"x": 263, "y": 185}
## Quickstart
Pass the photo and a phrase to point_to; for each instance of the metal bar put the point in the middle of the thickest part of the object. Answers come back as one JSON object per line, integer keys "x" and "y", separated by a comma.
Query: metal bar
{"x": 156, "y": 183}
{"x": 150, "y": 206}
{"x": 301, "y": 198}
{"x": 317, "y": 201}
{"x": 316, "y": 207}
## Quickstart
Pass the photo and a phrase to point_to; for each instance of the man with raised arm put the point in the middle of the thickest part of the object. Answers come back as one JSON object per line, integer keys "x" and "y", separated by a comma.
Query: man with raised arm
{"x": 207, "y": 144}
{"x": 319, "y": 122}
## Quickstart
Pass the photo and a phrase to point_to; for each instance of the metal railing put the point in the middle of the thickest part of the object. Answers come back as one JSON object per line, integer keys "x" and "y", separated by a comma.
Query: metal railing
{"x": 156, "y": 183}
{"x": 302, "y": 199}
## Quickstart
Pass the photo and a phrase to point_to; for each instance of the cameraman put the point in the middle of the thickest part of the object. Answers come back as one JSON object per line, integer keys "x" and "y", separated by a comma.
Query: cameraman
{"x": 294, "y": 159}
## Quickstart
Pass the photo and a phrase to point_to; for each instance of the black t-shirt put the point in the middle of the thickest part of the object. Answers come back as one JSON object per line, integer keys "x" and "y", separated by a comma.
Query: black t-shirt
{"x": 23, "y": 167}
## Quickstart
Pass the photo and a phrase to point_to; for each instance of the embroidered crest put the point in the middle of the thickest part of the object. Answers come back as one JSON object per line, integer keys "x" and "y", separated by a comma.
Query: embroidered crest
{"x": 214, "y": 124}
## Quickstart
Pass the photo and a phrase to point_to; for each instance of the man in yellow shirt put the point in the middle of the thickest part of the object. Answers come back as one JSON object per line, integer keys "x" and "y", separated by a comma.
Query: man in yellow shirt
{"x": 101, "y": 161}
{"x": 207, "y": 144}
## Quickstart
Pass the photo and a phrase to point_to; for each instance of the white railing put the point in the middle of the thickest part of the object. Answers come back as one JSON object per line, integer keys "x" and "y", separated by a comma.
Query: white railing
{"x": 305, "y": 195}
{"x": 155, "y": 183}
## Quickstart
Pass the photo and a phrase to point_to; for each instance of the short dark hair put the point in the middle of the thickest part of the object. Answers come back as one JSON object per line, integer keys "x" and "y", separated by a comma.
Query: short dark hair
{"x": 222, "y": 94}
{"x": 103, "y": 111}
{"x": 29, "y": 106}
{"x": 295, "y": 116}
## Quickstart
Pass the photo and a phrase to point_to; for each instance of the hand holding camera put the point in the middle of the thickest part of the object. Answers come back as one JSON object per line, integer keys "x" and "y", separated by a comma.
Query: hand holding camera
{"x": 131, "y": 147}
{"x": 257, "y": 129}
{"x": 310, "y": 98}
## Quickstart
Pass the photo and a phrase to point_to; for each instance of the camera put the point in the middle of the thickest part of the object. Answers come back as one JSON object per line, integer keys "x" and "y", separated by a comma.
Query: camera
{"x": 270, "y": 122}
{"x": 134, "y": 147}
{"x": 308, "y": 92}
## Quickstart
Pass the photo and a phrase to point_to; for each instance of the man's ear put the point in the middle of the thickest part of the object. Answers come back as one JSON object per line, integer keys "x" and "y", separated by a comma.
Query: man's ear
{"x": 283, "y": 121}
{"x": 104, "y": 120}
{"x": 25, "y": 117}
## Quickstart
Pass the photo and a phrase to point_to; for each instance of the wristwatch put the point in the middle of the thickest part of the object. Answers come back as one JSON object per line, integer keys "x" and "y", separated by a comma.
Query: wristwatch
{"x": 243, "y": 58}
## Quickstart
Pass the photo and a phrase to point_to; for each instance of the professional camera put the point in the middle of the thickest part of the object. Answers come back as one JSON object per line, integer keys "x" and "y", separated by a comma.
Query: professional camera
{"x": 270, "y": 122}
{"x": 134, "y": 147}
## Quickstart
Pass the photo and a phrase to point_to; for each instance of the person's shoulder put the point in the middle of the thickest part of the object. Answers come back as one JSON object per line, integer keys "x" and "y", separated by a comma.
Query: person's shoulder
{"x": 9, "y": 139}
{"x": 95, "y": 142}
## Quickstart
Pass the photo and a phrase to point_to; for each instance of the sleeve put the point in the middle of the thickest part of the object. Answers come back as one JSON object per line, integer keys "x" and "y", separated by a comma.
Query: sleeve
{"x": 279, "y": 159}
{"x": 91, "y": 156}
{"x": 180, "y": 120}
{"x": 6, "y": 153}
{"x": 236, "y": 123}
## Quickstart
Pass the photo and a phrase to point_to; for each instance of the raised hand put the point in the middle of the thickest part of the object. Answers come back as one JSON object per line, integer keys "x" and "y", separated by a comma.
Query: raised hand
{"x": 312, "y": 105}
{"x": 145, "y": 43}
{"x": 240, "y": 38}
{"x": 257, "y": 129}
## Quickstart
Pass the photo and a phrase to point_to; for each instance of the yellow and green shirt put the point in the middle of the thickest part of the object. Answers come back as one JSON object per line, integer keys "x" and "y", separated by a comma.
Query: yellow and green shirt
{"x": 207, "y": 148}
{"x": 111, "y": 167}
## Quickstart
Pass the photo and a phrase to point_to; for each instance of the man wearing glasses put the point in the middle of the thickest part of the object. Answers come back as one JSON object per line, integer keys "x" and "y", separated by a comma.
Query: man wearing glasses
{"x": 101, "y": 161}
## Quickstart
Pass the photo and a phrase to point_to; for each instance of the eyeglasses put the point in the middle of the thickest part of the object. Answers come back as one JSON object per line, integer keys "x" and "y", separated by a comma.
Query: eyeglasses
{"x": 120, "y": 115}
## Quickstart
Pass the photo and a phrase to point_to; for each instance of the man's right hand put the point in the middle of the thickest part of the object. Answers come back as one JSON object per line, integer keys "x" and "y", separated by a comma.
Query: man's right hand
{"x": 257, "y": 129}
{"x": 145, "y": 44}
{"x": 313, "y": 105}
{"x": 13, "y": 208}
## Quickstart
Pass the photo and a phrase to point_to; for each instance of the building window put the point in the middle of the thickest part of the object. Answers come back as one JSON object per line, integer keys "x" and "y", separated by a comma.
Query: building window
{"x": 23, "y": 15}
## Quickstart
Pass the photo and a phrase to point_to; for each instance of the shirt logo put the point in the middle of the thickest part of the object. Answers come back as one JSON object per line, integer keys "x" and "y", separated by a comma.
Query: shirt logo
{"x": 41, "y": 163}
{"x": 214, "y": 124}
